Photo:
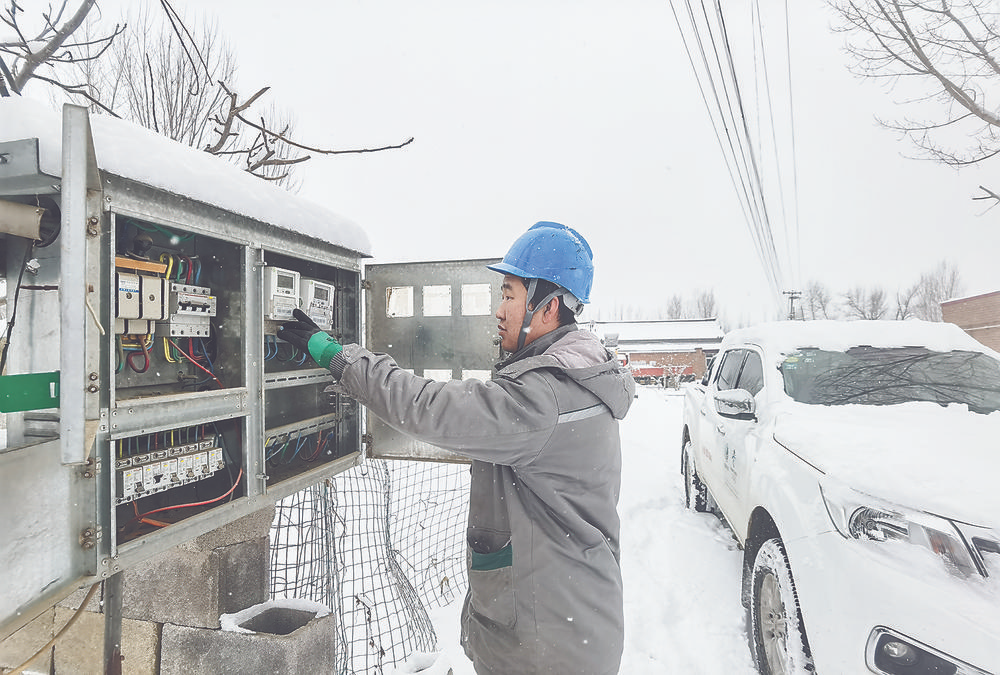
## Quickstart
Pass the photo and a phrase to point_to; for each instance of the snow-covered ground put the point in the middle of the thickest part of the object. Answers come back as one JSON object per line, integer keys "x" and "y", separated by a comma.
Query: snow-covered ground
{"x": 681, "y": 569}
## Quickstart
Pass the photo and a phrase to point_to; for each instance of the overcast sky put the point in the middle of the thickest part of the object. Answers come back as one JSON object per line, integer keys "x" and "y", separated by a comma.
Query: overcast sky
{"x": 588, "y": 113}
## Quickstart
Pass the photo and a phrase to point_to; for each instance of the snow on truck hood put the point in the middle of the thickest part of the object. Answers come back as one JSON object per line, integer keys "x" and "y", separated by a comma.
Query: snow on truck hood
{"x": 131, "y": 151}
{"x": 942, "y": 460}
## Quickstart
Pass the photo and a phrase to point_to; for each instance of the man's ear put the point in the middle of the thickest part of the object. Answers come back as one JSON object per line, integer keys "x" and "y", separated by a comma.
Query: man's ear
{"x": 553, "y": 308}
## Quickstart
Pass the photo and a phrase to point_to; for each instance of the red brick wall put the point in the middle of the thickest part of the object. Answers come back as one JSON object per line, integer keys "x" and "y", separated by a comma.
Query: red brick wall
{"x": 693, "y": 361}
{"x": 979, "y": 316}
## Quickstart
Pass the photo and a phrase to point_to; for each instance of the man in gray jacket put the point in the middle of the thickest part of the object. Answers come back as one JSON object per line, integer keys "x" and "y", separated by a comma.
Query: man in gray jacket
{"x": 545, "y": 588}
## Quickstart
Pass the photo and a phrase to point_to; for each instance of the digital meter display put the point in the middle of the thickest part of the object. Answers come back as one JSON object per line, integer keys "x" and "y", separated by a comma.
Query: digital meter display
{"x": 286, "y": 281}
{"x": 321, "y": 293}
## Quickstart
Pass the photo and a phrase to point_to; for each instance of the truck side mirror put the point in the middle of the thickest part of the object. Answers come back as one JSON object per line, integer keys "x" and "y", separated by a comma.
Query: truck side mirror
{"x": 737, "y": 404}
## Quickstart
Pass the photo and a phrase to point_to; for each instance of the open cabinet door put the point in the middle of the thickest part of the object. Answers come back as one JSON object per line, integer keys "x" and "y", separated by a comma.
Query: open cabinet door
{"x": 436, "y": 319}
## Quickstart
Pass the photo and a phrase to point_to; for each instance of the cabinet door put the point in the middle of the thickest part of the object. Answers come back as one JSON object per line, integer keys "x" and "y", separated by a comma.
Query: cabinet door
{"x": 437, "y": 320}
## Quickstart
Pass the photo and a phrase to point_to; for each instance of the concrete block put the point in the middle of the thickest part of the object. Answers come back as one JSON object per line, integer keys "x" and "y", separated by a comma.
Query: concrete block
{"x": 244, "y": 574}
{"x": 253, "y": 526}
{"x": 174, "y": 587}
{"x": 81, "y": 648}
{"x": 286, "y": 640}
{"x": 24, "y": 642}
{"x": 192, "y": 588}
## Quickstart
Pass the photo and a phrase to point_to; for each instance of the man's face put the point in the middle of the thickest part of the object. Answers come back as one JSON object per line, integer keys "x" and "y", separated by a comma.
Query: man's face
{"x": 511, "y": 313}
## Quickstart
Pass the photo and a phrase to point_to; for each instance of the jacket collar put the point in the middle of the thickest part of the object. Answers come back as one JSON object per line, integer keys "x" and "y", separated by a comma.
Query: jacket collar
{"x": 538, "y": 346}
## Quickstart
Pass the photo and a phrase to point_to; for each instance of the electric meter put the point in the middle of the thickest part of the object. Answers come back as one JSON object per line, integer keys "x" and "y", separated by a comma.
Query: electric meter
{"x": 317, "y": 301}
{"x": 281, "y": 293}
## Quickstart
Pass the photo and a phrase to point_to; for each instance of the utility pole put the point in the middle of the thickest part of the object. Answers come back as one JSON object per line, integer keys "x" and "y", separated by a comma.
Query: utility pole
{"x": 792, "y": 297}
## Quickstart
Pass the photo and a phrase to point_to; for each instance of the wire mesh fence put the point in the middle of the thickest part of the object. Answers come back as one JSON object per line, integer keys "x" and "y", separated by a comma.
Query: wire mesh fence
{"x": 379, "y": 544}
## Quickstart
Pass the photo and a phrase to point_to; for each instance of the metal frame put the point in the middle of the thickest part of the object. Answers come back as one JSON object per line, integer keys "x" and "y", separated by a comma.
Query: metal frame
{"x": 418, "y": 342}
{"x": 67, "y": 481}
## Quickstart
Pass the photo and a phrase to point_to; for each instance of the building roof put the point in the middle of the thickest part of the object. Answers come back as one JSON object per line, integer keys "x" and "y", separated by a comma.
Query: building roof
{"x": 676, "y": 335}
{"x": 980, "y": 296}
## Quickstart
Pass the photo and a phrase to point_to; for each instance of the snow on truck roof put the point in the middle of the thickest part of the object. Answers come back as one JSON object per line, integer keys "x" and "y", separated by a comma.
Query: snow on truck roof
{"x": 128, "y": 150}
{"x": 784, "y": 337}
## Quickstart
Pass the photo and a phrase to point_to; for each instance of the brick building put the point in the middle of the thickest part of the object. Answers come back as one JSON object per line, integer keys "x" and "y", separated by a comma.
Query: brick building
{"x": 662, "y": 351}
{"x": 977, "y": 315}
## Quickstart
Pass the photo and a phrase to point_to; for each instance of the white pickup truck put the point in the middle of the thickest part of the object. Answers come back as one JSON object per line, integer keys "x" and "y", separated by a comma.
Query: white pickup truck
{"x": 858, "y": 466}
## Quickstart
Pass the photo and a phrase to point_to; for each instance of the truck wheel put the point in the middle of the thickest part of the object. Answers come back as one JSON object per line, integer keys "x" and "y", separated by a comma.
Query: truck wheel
{"x": 777, "y": 634}
{"x": 695, "y": 492}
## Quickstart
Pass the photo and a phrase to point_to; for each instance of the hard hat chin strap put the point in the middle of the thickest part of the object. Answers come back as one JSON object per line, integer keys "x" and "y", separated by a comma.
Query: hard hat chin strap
{"x": 529, "y": 312}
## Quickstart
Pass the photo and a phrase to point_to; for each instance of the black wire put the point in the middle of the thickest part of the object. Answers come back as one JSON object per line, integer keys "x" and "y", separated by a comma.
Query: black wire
{"x": 13, "y": 309}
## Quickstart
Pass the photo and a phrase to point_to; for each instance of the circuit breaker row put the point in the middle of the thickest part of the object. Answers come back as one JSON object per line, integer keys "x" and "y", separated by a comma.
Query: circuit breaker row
{"x": 160, "y": 470}
{"x": 176, "y": 310}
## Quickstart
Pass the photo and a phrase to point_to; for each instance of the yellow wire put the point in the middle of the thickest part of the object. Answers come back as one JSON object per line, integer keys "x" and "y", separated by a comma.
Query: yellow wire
{"x": 166, "y": 351}
{"x": 170, "y": 262}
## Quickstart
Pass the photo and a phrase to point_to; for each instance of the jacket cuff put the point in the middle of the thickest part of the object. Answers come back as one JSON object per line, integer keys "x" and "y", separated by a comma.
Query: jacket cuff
{"x": 337, "y": 365}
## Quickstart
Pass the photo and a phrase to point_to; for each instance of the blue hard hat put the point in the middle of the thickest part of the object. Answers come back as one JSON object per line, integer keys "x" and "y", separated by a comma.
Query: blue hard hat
{"x": 554, "y": 252}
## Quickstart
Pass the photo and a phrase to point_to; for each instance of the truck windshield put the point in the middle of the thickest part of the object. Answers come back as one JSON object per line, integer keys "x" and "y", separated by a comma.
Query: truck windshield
{"x": 885, "y": 376}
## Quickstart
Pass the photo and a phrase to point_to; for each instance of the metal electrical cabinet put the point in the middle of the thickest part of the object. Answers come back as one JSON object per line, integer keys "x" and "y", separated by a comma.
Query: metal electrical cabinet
{"x": 146, "y": 397}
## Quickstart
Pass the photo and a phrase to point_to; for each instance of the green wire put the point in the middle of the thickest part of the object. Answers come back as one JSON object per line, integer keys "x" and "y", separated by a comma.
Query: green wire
{"x": 156, "y": 228}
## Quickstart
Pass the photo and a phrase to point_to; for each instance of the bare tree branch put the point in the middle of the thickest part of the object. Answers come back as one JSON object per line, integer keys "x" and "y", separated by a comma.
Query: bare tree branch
{"x": 33, "y": 60}
{"x": 951, "y": 46}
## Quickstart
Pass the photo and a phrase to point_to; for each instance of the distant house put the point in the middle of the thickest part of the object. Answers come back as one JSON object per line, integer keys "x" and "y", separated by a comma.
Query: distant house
{"x": 662, "y": 351}
{"x": 977, "y": 315}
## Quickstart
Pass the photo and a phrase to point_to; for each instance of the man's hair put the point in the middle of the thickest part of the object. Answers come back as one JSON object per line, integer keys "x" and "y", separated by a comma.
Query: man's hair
{"x": 543, "y": 288}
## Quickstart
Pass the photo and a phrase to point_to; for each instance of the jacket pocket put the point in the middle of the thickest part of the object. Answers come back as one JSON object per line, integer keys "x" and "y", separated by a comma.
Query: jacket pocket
{"x": 491, "y": 580}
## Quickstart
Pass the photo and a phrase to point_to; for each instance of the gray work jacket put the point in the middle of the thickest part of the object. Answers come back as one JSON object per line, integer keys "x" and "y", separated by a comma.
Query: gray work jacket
{"x": 545, "y": 582}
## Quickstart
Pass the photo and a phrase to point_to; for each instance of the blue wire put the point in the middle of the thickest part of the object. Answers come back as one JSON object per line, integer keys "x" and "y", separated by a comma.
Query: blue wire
{"x": 204, "y": 352}
{"x": 298, "y": 446}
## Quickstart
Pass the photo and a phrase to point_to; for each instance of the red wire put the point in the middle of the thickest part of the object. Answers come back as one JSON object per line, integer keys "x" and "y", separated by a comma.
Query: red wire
{"x": 145, "y": 353}
{"x": 184, "y": 506}
{"x": 210, "y": 373}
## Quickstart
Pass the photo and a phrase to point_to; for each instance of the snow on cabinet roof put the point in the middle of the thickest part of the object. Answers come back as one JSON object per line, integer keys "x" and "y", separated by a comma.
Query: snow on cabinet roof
{"x": 783, "y": 337}
{"x": 131, "y": 151}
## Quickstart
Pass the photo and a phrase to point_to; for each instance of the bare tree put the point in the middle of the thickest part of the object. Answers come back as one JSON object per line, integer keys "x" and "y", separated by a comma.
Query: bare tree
{"x": 906, "y": 302}
{"x": 675, "y": 307}
{"x": 942, "y": 283}
{"x": 948, "y": 48}
{"x": 705, "y": 304}
{"x": 163, "y": 76}
{"x": 817, "y": 302}
{"x": 864, "y": 303}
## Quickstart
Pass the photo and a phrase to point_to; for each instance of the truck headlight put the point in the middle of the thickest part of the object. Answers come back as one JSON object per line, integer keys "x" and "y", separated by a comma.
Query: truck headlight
{"x": 860, "y": 516}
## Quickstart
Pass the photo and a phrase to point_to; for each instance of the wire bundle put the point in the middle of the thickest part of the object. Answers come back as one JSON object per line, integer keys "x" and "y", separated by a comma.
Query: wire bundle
{"x": 742, "y": 150}
{"x": 279, "y": 451}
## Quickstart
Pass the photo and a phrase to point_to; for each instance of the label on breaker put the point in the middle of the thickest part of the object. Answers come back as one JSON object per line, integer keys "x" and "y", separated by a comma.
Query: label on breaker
{"x": 130, "y": 479}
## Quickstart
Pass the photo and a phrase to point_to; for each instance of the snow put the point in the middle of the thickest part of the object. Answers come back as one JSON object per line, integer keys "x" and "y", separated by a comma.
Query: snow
{"x": 233, "y": 622}
{"x": 873, "y": 448}
{"x": 682, "y": 570}
{"x": 785, "y": 337}
{"x": 131, "y": 151}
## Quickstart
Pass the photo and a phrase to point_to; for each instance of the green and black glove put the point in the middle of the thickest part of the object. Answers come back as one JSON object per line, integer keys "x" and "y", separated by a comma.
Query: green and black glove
{"x": 306, "y": 336}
